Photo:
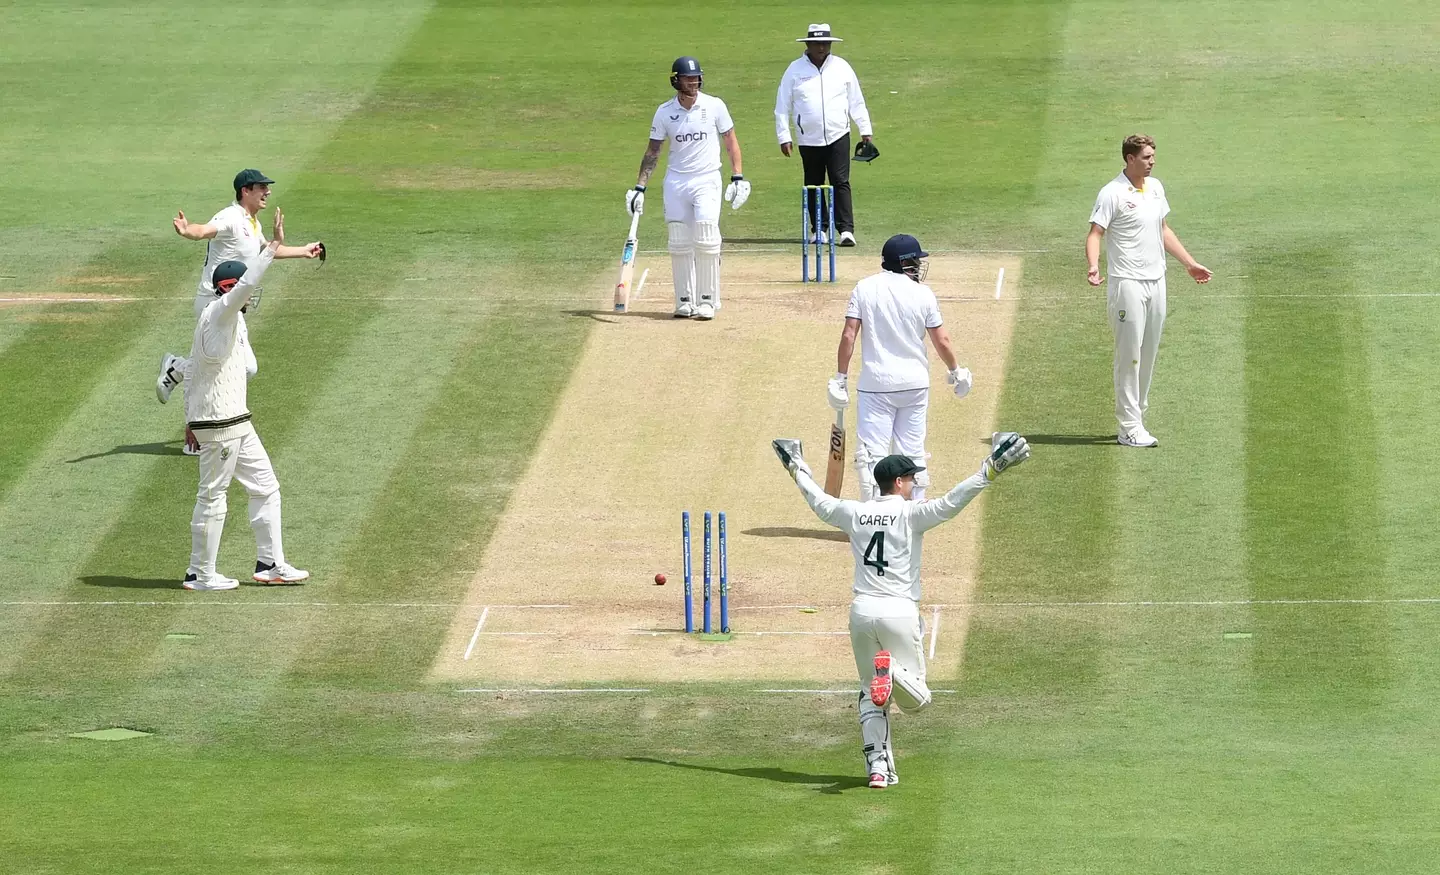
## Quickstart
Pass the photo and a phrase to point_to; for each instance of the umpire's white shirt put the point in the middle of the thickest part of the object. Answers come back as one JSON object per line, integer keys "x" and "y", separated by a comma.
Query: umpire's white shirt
{"x": 820, "y": 101}
{"x": 894, "y": 313}
{"x": 694, "y": 133}
{"x": 886, "y": 535}
{"x": 237, "y": 238}
{"x": 1134, "y": 223}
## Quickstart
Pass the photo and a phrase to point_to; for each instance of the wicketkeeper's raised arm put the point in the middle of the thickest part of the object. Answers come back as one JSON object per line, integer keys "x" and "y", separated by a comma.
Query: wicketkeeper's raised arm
{"x": 828, "y": 508}
{"x": 1010, "y": 449}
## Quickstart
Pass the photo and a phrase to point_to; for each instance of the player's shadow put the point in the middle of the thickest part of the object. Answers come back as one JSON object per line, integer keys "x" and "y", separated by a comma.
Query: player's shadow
{"x": 612, "y": 316}
{"x": 110, "y": 580}
{"x": 796, "y": 532}
{"x": 1065, "y": 440}
{"x": 827, "y": 783}
{"x": 163, "y": 448}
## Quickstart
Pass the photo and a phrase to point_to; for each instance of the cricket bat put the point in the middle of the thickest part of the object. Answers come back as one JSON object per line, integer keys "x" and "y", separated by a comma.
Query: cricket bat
{"x": 627, "y": 267}
{"x": 835, "y": 468}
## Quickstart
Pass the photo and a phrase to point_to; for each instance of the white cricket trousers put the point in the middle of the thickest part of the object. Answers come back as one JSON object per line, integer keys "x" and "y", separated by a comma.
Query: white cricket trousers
{"x": 692, "y": 217}
{"x": 885, "y": 623}
{"x": 890, "y": 419}
{"x": 244, "y": 459}
{"x": 1137, "y": 316}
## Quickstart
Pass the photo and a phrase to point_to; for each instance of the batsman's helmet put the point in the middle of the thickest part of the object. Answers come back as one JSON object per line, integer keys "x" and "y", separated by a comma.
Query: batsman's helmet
{"x": 226, "y": 275}
{"x": 685, "y": 66}
{"x": 902, "y": 254}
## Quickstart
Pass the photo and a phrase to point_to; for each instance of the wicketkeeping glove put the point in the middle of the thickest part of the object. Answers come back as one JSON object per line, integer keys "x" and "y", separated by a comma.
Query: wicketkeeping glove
{"x": 789, "y": 449}
{"x": 1010, "y": 449}
{"x": 837, "y": 391}
{"x": 635, "y": 200}
{"x": 737, "y": 192}
{"x": 961, "y": 380}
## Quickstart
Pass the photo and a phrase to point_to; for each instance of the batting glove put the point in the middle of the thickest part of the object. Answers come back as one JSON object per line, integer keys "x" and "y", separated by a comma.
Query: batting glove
{"x": 961, "y": 380}
{"x": 635, "y": 200}
{"x": 737, "y": 192}
{"x": 1010, "y": 449}
{"x": 839, "y": 396}
{"x": 789, "y": 449}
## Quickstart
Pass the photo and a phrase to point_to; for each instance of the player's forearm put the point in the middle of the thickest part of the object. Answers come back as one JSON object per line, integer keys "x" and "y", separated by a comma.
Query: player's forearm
{"x": 1176, "y": 248}
{"x": 944, "y": 348}
{"x": 1092, "y": 249}
{"x": 292, "y": 252}
{"x": 928, "y": 514}
{"x": 198, "y": 232}
{"x": 647, "y": 166}
{"x": 824, "y": 506}
{"x": 732, "y": 146}
{"x": 844, "y": 353}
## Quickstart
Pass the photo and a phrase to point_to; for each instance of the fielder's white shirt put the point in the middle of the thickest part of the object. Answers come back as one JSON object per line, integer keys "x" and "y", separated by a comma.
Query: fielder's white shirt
{"x": 237, "y": 238}
{"x": 694, "y": 134}
{"x": 1134, "y": 223}
{"x": 886, "y": 535}
{"x": 820, "y": 102}
{"x": 894, "y": 313}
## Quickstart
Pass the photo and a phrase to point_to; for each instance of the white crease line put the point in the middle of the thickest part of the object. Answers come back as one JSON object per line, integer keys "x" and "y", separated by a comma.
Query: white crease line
{"x": 59, "y": 300}
{"x": 934, "y": 628}
{"x": 476, "y": 637}
{"x": 653, "y": 632}
{"x": 999, "y": 282}
{"x": 199, "y": 602}
{"x": 834, "y": 692}
{"x": 554, "y": 690}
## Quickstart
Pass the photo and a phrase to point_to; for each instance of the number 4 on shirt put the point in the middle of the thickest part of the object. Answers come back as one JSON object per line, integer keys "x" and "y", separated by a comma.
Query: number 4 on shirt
{"x": 877, "y": 549}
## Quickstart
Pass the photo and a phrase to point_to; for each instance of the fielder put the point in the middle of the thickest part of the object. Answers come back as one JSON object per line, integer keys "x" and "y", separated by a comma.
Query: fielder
{"x": 1132, "y": 209}
{"x": 217, "y": 413}
{"x": 886, "y": 535}
{"x": 695, "y": 124}
{"x": 895, "y": 310}
{"x": 234, "y": 234}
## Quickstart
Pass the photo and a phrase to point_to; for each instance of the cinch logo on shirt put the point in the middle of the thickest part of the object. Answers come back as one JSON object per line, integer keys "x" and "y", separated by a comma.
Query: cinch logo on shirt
{"x": 696, "y": 137}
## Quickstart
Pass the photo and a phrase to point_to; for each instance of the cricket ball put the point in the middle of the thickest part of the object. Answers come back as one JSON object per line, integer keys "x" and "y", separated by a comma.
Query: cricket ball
{"x": 660, "y": 580}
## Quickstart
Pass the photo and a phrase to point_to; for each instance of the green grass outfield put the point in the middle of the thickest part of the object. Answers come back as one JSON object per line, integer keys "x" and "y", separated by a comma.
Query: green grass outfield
{"x": 465, "y": 163}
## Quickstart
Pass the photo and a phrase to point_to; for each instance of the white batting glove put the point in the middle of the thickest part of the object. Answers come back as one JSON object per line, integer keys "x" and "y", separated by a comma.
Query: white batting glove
{"x": 1010, "y": 449}
{"x": 961, "y": 380}
{"x": 838, "y": 392}
{"x": 635, "y": 200}
{"x": 737, "y": 192}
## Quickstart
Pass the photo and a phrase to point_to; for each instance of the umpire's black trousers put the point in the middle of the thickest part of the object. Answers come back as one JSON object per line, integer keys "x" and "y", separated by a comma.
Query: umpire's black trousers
{"x": 832, "y": 160}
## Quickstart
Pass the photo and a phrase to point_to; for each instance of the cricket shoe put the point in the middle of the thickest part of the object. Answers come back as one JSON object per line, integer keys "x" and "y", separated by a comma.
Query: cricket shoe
{"x": 190, "y": 449}
{"x": 1137, "y": 437}
{"x": 847, "y": 238}
{"x": 169, "y": 378}
{"x": 209, "y": 584}
{"x": 880, "y": 684}
{"x": 279, "y": 574}
{"x": 706, "y": 311}
{"x": 878, "y": 780}
{"x": 685, "y": 310}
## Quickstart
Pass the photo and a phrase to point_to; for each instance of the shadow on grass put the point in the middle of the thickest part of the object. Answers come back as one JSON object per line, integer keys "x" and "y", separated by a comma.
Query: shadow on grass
{"x": 130, "y": 582}
{"x": 832, "y": 783}
{"x": 795, "y": 532}
{"x": 612, "y": 316}
{"x": 165, "y": 448}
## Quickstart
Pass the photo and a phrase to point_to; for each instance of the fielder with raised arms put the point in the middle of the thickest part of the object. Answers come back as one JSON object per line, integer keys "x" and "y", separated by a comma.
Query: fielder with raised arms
{"x": 695, "y": 124}
{"x": 886, "y": 534}
{"x": 895, "y": 310}
{"x": 216, "y": 411}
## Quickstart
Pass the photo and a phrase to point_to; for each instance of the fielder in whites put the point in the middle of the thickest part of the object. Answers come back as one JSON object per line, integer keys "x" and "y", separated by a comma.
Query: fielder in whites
{"x": 233, "y": 234}
{"x": 695, "y": 124}
{"x": 886, "y": 535}
{"x": 894, "y": 311}
{"x": 1130, "y": 215}
{"x": 217, "y": 413}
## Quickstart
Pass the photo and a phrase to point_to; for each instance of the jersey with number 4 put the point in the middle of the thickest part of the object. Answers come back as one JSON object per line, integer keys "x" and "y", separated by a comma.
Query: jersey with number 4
{"x": 886, "y": 534}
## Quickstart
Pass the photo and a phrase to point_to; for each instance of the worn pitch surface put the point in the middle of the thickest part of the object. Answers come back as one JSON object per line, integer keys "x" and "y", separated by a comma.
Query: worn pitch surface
{"x": 665, "y": 415}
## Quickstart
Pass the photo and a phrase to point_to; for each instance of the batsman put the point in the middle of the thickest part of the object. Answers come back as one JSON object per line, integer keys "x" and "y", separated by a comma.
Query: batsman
{"x": 886, "y": 535}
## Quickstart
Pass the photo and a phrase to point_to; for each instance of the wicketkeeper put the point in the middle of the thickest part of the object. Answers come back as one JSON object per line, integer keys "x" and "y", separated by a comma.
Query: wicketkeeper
{"x": 886, "y": 632}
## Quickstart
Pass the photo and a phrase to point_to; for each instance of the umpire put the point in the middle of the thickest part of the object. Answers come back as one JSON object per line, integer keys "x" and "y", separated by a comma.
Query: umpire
{"x": 820, "y": 94}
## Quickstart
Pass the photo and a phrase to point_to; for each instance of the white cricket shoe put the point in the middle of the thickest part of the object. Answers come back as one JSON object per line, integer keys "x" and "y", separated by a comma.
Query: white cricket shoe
{"x": 169, "y": 378}
{"x": 847, "y": 238}
{"x": 705, "y": 311}
{"x": 685, "y": 310}
{"x": 209, "y": 584}
{"x": 1137, "y": 437}
{"x": 190, "y": 449}
{"x": 279, "y": 574}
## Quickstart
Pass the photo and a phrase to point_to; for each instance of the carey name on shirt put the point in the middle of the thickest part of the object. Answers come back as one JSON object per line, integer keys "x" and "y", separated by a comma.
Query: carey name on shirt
{"x": 882, "y": 520}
